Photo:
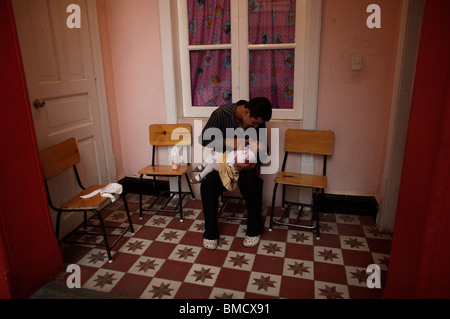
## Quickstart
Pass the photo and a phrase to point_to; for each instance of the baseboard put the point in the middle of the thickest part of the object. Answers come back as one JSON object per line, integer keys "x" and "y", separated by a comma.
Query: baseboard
{"x": 132, "y": 185}
{"x": 333, "y": 203}
{"x": 354, "y": 205}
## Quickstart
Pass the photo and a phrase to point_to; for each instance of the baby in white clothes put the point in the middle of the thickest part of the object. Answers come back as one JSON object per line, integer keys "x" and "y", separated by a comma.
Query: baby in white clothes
{"x": 226, "y": 167}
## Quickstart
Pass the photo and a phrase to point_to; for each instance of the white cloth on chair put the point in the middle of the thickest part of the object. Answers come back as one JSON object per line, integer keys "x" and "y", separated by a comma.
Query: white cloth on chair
{"x": 108, "y": 191}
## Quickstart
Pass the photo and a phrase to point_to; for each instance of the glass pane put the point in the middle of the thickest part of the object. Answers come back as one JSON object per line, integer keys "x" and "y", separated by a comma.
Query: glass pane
{"x": 210, "y": 77}
{"x": 272, "y": 76}
{"x": 271, "y": 21}
{"x": 209, "y": 22}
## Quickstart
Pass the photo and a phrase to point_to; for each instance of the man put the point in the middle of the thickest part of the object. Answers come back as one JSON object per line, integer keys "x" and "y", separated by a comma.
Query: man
{"x": 248, "y": 118}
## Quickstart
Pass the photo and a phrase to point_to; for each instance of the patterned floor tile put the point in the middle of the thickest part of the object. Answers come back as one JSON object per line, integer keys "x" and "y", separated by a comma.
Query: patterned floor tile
{"x": 327, "y": 290}
{"x": 238, "y": 260}
{"x": 135, "y": 246}
{"x": 272, "y": 248}
{"x": 347, "y": 219}
{"x": 264, "y": 284}
{"x": 356, "y": 276}
{"x": 165, "y": 258}
{"x": 373, "y": 232}
{"x": 354, "y": 243}
{"x": 298, "y": 268}
{"x": 329, "y": 228}
{"x": 161, "y": 289}
{"x": 103, "y": 280}
{"x": 171, "y": 235}
{"x": 328, "y": 255}
{"x": 94, "y": 258}
{"x": 381, "y": 260}
{"x": 299, "y": 237}
{"x": 146, "y": 266}
{"x": 221, "y": 293}
{"x": 159, "y": 221}
{"x": 202, "y": 275}
{"x": 185, "y": 253}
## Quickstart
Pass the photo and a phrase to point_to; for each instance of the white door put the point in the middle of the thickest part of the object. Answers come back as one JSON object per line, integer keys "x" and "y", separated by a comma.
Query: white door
{"x": 59, "y": 69}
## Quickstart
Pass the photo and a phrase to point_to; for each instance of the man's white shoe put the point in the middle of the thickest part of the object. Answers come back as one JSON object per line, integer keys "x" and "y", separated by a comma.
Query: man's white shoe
{"x": 210, "y": 243}
{"x": 251, "y": 241}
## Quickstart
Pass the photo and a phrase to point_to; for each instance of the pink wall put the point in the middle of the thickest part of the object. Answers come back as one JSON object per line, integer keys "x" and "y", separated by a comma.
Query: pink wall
{"x": 136, "y": 75}
{"x": 355, "y": 105}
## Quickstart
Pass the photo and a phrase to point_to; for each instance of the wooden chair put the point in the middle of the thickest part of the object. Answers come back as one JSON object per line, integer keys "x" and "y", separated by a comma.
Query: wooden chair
{"x": 167, "y": 135}
{"x": 306, "y": 142}
{"x": 61, "y": 157}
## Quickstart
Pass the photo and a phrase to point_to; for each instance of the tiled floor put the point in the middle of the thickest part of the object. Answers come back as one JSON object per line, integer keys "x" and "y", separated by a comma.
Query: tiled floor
{"x": 165, "y": 258}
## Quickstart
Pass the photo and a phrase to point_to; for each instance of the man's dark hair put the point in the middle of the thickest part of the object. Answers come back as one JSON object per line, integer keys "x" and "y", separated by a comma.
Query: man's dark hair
{"x": 260, "y": 107}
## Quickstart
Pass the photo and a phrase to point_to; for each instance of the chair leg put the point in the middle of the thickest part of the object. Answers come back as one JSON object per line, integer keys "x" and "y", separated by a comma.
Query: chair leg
{"x": 180, "y": 199}
{"x": 273, "y": 206}
{"x": 105, "y": 238}
{"x": 190, "y": 187}
{"x": 125, "y": 204}
{"x": 58, "y": 221}
{"x": 140, "y": 196}
{"x": 85, "y": 219}
{"x": 316, "y": 213}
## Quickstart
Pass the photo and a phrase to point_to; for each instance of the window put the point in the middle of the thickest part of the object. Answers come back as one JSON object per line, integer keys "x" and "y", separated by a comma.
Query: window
{"x": 235, "y": 49}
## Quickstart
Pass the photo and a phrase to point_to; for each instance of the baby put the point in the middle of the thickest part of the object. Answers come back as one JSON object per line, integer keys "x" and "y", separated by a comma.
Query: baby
{"x": 226, "y": 167}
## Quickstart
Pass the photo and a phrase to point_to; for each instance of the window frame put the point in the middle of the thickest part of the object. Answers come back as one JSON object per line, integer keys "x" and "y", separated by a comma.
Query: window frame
{"x": 306, "y": 46}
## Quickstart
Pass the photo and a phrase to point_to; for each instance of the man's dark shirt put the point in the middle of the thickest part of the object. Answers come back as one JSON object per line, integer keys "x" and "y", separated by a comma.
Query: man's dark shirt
{"x": 221, "y": 119}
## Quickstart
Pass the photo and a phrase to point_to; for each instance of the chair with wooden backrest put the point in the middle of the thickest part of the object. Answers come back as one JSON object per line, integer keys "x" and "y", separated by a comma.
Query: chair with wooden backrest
{"x": 167, "y": 135}
{"x": 61, "y": 157}
{"x": 306, "y": 142}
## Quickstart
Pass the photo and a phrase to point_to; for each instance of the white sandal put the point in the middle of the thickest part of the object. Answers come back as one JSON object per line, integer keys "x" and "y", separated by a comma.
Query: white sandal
{"x": 210, "y": 243}
{"x": 251, "y": 241}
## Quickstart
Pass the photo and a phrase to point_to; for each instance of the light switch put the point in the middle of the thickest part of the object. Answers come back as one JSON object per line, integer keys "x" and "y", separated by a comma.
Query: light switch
{"x": 356, "y": 62}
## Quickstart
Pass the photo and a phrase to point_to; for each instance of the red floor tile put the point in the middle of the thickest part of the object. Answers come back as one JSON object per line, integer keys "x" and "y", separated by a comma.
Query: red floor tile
{"x": 131, "y": 285}
{"x": 239, "y": 279}
{"x": 176, "y": 274}
{"x": 268, "y": 264}
{"x": 330, "y": 273}
{"x": 297, "y": 288}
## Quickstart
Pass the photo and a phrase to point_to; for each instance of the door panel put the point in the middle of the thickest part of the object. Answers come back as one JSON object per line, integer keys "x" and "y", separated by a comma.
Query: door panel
{"x": 59, "y": 68}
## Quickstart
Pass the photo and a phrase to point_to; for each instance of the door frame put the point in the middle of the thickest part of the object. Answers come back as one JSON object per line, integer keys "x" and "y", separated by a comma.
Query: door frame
{"x": 406, "y": 60}
{"x": 111, "y": 173}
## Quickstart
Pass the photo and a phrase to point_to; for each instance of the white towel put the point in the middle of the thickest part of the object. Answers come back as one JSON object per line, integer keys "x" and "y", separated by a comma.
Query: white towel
{"x": 108, "y": 191}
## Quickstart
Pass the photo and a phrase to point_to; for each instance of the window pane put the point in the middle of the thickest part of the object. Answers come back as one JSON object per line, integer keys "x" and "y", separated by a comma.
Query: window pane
{"x": 209, "y": 22}
{"x": 272, "y": 76}
{"x": 271, "y": 21}
{"x": 210, "y": 77}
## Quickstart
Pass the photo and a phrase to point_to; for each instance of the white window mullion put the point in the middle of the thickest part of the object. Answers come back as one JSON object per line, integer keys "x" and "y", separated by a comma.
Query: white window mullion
{"x": 188, "y": 110}
{"x": 235, "y": 50}
{"x": 243, "y": 52}
{"x": 306, "y": 49}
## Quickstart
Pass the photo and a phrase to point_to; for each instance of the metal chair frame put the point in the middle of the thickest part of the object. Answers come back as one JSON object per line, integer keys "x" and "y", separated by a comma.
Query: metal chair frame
{"x": 318, "y": 189}
{"x": 163, "y": 131}
{"x": 96, "y": 210}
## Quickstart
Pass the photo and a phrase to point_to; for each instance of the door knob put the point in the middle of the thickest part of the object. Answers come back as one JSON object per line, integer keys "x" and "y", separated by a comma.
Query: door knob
{"x": 38, "y": 103}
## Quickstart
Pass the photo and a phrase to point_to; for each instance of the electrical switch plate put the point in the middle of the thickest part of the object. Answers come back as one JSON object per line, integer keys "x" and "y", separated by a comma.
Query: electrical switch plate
{"x": 356, "y": 62}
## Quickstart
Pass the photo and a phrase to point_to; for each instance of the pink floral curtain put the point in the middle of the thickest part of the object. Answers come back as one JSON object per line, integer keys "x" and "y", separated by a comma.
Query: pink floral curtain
{"x": 271, "y": 71}
{"x": 209, "y": 23}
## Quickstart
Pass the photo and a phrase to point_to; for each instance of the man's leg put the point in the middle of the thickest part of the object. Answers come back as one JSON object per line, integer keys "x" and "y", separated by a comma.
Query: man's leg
{"x": 210, "y": 189}
{"x": 251, "y": 185}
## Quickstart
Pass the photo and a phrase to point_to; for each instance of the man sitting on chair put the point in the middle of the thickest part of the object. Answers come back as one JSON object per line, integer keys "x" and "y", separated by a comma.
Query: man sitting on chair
{"x": 243, "y": 115}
